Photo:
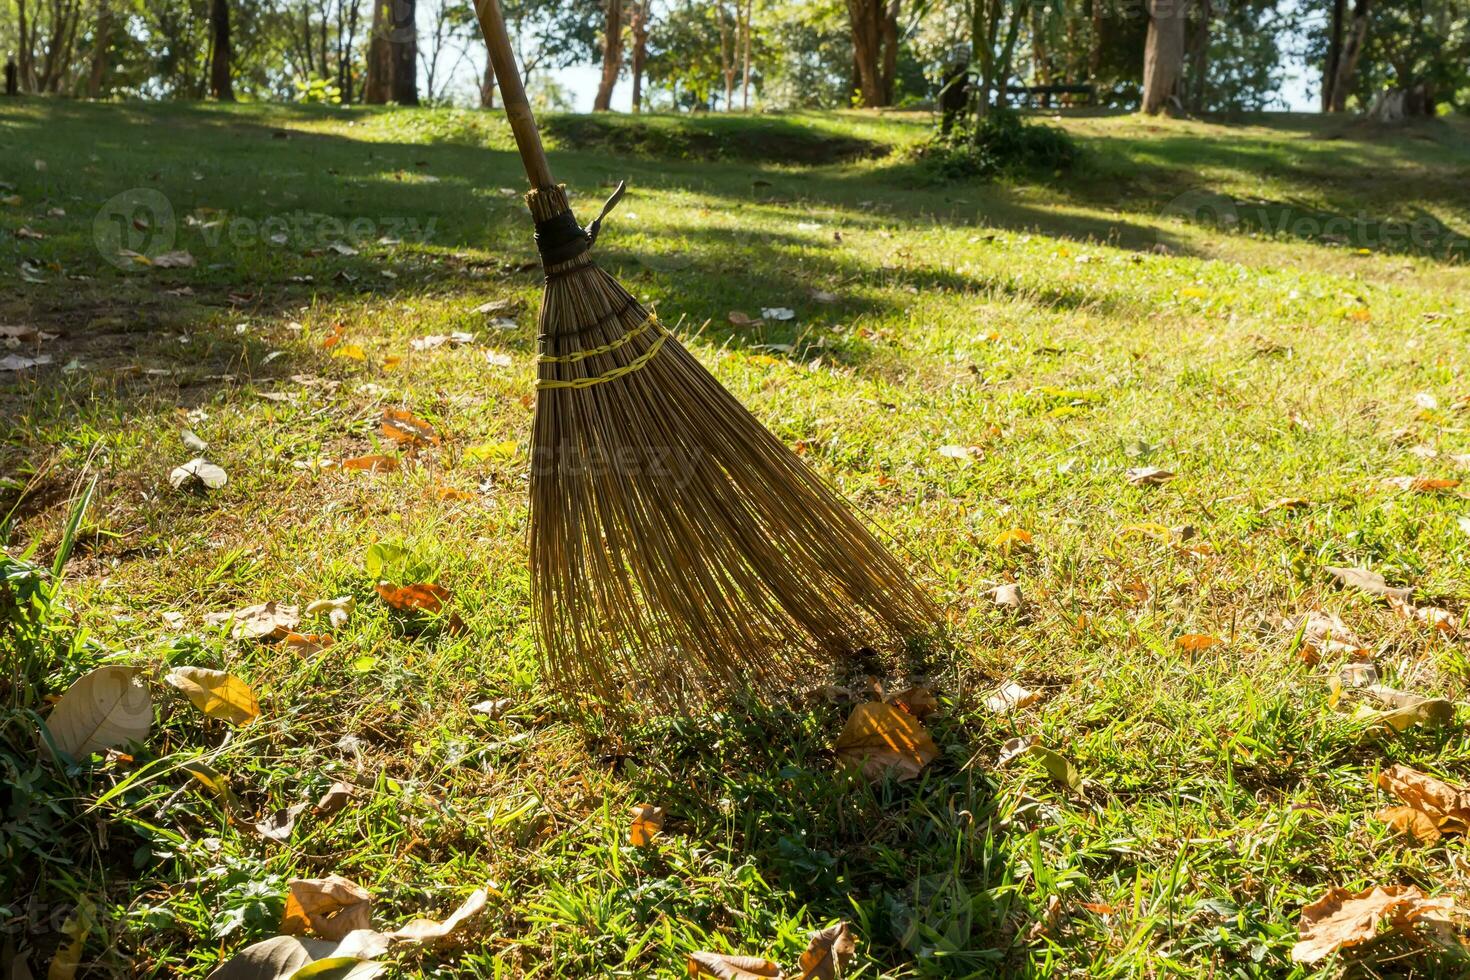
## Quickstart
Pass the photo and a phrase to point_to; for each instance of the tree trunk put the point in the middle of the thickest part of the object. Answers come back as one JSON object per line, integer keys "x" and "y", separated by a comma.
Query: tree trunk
{"x": 612, "y": 56}
{"x": 867, "y": 18}
{"x": 639, "y": 28}
{"x": 221, "y": 86}
{"x": 1163, "y": 55}
{"x": 889, "y": 33}
{"x": 1201, "y": 60}
{"x": 375, "y": 89}
{"x": 1352, "y": 50}
{"x": 403, "y": 54}
{"x": 745, "y": 83}
{"x": 1334, "y": 53}
{"x": 100, "y": 44}
{"x": 487, "y": 86}
{"x": 24, "y": 44}
{"x": 729, "y": 52}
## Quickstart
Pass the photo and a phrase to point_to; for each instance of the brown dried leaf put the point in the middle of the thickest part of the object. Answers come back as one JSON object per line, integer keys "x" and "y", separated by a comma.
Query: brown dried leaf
{"x": 1367, "y": 581}
{"x": 106, "y": 707}
{"x": 307, "y": 644}
{"x": 1445, "y": 809}
{"x": 331, "y": 907}
{"x": 267, "y": 621}
{"x": 1341, "y": 918}
{"x": 648, "y": 820}
{"x": 1148, "y": 476}
{"x": 335, "y": 798}
{"x": 278, "y": 825}
{"x": 424, "y": 596}
{"x": 918, "y": 701}
{"x": 401, "y": 426}
{"x": 1406, "y": 710}
{"x": 1324, "y": 635}
{"x": 879, "y": 738}
{"x": 727, "y": 967}
{"x": 828, "y": 952}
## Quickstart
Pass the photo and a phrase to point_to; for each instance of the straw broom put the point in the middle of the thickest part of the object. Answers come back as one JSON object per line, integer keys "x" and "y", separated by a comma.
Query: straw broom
{"x": 678, "y": 550}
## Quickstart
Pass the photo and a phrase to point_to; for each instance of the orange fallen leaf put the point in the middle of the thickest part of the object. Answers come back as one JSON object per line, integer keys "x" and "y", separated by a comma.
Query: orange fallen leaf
{"x": 306, "y": 644}
{"x": 1008, "y": 541}
{"x": 1341, "y": 918}
{"x": 1420, "y": 484}
{"x": 335, "y": 336}
{"x": 371, "y": 464}
{"x": 453, "y": 493}
{"x": 406, "y": 428}
{"x": 424, "y": 596}
{"x": 917, "y": 701}
{"x": 1195, "y": 642}
{"x": 648, "y": 820}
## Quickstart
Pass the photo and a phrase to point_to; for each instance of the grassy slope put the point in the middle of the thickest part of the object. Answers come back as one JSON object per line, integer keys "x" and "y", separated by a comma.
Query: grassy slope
{"x": 1037, "y": 323}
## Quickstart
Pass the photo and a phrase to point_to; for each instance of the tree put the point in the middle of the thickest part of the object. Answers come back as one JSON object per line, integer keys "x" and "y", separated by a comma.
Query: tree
{"x": 376, "y": 87}
{"x": 1163, "y": 55}
{"x": 403, "y": 54}
{"x": 874, "y": 49}
{"x": 1343, "y": 56}
{"x": 639, "y": 28}
{"x": 995, "y": 28}
{"x": 220, "y": 84}
{"x": 612, "y": 54}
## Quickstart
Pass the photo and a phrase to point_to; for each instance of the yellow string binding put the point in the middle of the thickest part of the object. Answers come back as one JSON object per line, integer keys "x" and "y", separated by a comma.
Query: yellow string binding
{"x": 604, "y": 349}
{"x": 616, "y": 372}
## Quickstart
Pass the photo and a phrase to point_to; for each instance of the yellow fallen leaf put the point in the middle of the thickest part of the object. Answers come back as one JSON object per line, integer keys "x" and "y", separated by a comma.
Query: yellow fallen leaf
{"x": 881, "y": 738}
{"x": 216, "y": 693}
{"x": 648, "y": 820}
{"x": 1341, "y": 919}
{"x": 350, "y": 351}
{"x": 1008, "y": 541}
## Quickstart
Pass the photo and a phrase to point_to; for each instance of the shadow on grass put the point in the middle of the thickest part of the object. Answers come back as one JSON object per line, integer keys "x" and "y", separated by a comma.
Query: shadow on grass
{"x": 919, "y": 867}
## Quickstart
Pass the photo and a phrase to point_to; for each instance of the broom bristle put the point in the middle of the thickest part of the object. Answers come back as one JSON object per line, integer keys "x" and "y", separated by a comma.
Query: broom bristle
{"x": 679, "y": 551}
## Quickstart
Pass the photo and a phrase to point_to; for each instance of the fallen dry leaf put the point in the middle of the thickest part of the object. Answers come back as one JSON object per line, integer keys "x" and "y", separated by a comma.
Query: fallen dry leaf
{"x": 173, "y": 260}
{"x": 918, "y": 701}
{"x": 331, "y": 907}
{"x": 1404, "y": 710}
{"x": 306, "y": 644}
{"x": 278, "y": 825}
{"x": 267, "y": 621}
{"x": 1341, "y": 918}
{"x": 648, "y": 820}
{"x": 739, "y": 319}
{"x": 1431, "y": 616}
{"x": 424, "y": 596}
{"x": 1438, "y": 807}
{"x": 197, "y": 474}
{"x": 965, "y": 453}
{"x": 336, "y": 610}
{"x": 879, "y": 738}
{"x": 404, "y": 427}
{"x": 727, "y": 967}
{"x": 827, "y": 953}
{"x": 1008, "y": 541}
{"x": 371, "y": 464}
{"x": 1057, "y": 765}
{"x": 1420, "y": 484}
{"x": 1286, "y": 503}
{"x": 1324, "y": 635}
{"x": 1195, "y": 642}
{"x": 1148, "y": 476}
{"x": 428, "y": 930}
{"x": 337, "y": 796}
{"x": 1367, "y": 581}
{"x": 1008, "y": 597}
{"x": 105, "y": 707}
{"x": 1010, "y": 697}
{"x": 216, "y": 693}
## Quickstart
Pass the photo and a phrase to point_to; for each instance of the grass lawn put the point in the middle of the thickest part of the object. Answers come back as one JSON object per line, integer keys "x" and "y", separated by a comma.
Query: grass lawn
{"x": 1052, "y": 334}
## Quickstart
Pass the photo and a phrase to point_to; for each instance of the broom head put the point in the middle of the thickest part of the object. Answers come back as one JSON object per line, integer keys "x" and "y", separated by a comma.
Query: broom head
{"x": 679, "y": 551}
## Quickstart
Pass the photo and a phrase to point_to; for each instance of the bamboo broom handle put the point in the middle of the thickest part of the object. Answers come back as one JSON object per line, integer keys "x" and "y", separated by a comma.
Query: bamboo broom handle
{"x": 513, "y": 93}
